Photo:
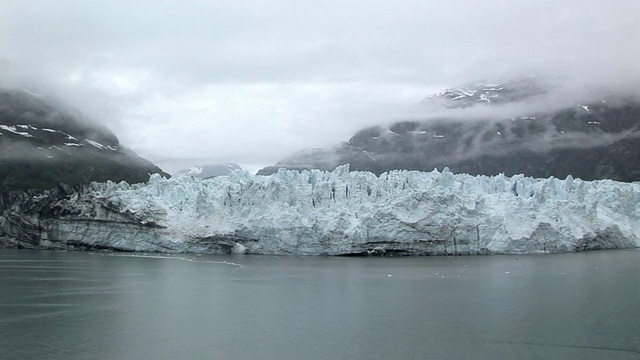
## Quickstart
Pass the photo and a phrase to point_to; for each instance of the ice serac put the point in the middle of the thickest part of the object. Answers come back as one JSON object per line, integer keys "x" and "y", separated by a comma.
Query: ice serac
{"x": 338, "y": 213}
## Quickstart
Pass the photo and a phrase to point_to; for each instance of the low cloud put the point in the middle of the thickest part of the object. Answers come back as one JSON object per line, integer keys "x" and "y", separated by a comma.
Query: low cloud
{"x": 198, "y": 82}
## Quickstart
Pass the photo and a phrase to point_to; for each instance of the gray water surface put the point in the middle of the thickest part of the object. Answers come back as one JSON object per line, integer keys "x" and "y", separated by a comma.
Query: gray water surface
{"x": 63, "y": 305}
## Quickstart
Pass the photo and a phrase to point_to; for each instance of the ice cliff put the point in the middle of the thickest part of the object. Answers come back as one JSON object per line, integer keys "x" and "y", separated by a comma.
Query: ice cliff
{"x": 332, "y": 213}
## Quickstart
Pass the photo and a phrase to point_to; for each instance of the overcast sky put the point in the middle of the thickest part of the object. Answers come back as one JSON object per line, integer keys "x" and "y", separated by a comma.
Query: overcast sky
{"x": 203, "y": 81}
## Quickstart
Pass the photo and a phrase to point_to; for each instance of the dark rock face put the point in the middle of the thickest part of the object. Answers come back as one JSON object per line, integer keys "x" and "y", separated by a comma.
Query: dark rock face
{"x": 42, "y": 144}
{"x": 591, "y": 141}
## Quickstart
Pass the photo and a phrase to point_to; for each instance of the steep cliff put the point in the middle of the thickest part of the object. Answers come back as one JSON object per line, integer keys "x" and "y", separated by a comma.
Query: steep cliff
{"x": 338, "y": 213}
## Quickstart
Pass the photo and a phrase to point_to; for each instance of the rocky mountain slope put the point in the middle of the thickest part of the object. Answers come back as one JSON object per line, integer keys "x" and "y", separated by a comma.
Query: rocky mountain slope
{"x": 592, "y": 140}
{"x": 44, "y": 144}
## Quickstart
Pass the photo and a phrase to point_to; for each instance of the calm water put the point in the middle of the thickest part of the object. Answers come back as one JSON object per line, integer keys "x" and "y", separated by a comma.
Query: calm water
{"x": 57, "y": 305}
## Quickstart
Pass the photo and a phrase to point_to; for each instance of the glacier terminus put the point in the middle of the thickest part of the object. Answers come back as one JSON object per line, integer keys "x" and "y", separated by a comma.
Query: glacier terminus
{"x": 329, "y": 213}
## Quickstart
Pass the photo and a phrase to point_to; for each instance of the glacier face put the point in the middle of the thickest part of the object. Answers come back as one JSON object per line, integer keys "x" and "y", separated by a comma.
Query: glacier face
{"x": 342, "y": 212}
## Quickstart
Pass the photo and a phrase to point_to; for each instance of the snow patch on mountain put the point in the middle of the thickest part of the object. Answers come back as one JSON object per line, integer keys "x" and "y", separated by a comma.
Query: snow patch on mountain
{"x": 95, "y": 144}
{"x": 495, "y": 93}
{"x": 14, "y": 130}
{"x": 585, "y": 108}
{"x": 31, "y": 93}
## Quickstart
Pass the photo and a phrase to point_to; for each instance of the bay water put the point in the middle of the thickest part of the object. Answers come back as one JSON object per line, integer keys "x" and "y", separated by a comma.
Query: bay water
{"x": 81, "y": 305}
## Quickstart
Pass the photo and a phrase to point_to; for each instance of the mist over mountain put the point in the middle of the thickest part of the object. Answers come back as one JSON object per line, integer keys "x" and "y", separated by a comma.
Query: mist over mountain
{"x": 525, "y": 126}
{"x": 44, "y": 143}
{"x": 209, "y": 170}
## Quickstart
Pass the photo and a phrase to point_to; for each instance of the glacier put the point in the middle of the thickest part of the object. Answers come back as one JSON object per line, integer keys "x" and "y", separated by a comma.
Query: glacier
{"x": 331, "y": 213}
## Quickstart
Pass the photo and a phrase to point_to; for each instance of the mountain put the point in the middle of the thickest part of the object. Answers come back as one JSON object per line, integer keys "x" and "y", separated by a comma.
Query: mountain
{"x": 495, "y": 93}
{"x": 591, "y": 140}
{"x": 210, "y": 170}
{"x": 43, "y": 144}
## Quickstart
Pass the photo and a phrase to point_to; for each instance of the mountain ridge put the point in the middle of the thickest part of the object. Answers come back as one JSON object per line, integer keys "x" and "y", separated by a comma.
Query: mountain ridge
{"x": 44, "y": 144}
{"x": 591, "y": 140}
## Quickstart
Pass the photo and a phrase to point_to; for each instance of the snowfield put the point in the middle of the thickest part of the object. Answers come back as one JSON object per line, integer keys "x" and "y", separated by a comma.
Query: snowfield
{"x": 342, "y": 212}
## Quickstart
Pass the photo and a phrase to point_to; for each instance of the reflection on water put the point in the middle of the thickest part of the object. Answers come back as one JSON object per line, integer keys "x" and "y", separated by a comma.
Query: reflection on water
{"x": 114, "y": 306}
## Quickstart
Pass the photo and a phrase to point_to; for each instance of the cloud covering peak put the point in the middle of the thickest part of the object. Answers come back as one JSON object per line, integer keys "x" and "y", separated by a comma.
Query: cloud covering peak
{"x": 185, "y": 82}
